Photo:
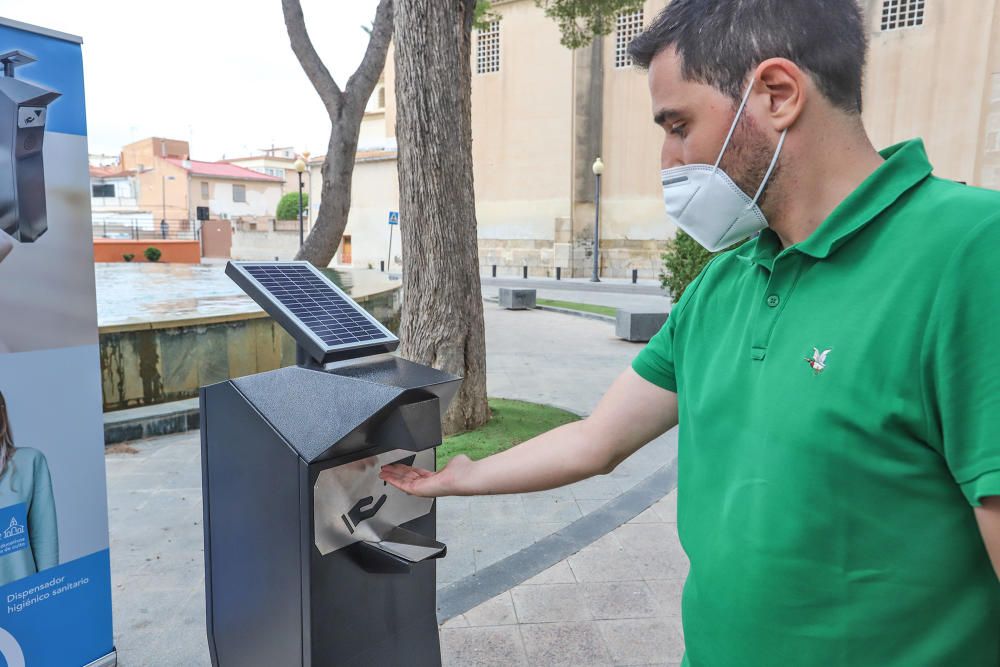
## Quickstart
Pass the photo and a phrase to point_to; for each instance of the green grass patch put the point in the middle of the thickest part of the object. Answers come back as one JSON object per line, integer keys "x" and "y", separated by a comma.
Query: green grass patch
{"x": 513, "y": 422}
{"x": 584, "y": 307}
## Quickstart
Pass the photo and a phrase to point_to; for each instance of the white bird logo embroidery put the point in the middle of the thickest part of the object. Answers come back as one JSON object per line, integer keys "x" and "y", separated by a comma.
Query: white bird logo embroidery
{"x": 818, "y": 361}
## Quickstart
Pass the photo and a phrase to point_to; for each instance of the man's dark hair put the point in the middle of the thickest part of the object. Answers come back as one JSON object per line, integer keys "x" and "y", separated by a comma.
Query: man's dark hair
{"x": 720, "y": 41}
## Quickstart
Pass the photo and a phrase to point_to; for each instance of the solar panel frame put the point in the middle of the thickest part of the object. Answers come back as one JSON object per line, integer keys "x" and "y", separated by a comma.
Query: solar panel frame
{"x": 307, "y": 333}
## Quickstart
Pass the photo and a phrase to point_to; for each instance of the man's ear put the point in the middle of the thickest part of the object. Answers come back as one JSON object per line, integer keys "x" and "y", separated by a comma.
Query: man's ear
{"x": 786, "y": 86}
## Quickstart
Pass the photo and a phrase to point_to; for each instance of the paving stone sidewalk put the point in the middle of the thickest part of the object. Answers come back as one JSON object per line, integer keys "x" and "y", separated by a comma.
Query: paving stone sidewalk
{"x": 615, "y": 602}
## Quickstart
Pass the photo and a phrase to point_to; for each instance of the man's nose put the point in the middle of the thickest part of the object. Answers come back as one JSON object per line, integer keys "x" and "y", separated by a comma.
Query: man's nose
{"x": 670, "y": 159}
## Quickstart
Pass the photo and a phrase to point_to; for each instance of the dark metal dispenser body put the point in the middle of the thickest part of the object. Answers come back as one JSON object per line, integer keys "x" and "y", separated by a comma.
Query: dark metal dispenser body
{"x": 23, "y": 114}
{"x": 311, "y": 559}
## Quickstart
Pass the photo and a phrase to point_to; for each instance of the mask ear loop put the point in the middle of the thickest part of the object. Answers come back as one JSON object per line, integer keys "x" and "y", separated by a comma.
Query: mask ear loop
{"x": 770, "y": 169}
{"x": 732, "y": 128}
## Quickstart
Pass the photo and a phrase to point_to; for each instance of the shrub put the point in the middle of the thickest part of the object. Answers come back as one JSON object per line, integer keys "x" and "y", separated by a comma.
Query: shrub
{"x": 128, "y": 257}
{"x": 288, "y": 206}
{"x": 683, "y": 260}
{"x": 152, "y": 254}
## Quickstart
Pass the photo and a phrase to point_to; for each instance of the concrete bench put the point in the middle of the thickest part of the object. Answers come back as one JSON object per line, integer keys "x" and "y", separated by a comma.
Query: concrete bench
{"x": 638, "y": 327}
{"x": 517, "y": 299}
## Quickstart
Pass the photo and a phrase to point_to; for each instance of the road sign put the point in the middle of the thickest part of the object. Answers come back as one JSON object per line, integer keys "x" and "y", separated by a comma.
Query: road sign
{"x": 393, "y": 217}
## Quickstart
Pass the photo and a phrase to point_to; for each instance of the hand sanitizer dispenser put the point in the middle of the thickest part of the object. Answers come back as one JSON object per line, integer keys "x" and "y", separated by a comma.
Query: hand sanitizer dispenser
{"x": 23, "y": 112}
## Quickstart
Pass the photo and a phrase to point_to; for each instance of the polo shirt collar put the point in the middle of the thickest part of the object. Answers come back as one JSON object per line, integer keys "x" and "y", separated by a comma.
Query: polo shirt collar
{"x": 905, "y": 165}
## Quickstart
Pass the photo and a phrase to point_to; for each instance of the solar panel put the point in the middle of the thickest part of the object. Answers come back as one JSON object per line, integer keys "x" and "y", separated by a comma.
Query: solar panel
{"x": 322, "y": 319}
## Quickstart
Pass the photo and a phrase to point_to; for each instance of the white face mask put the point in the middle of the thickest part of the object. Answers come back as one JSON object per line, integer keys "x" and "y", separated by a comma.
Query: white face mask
{"x": 708, "y": 205}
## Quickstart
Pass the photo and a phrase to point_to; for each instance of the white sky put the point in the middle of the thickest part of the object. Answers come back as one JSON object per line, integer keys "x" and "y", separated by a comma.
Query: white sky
{"x": 218, "y": 73}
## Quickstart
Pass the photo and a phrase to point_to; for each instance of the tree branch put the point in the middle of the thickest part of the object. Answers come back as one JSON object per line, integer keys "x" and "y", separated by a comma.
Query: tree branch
{"x": 368, "y": 72}
{"x": 312, "y": 65}
{"x": 581, "y": 21}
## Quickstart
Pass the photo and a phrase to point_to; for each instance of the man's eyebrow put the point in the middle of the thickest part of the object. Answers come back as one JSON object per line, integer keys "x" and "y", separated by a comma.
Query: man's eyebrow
{"x": 663, "y": 115}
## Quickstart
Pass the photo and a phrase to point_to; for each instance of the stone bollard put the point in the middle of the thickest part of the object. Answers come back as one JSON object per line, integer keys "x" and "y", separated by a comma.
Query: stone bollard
{"x": 517, "y": 299}
{"x": 638, "y": 327}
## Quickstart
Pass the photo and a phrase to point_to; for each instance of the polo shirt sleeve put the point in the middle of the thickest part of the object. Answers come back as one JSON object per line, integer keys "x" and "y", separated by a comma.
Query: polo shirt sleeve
{"x": 656, "y": 361}
{"x": 961, "y": 363}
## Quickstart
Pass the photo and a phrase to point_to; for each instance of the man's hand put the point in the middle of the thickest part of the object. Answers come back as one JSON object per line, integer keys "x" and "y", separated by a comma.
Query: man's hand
{"x": 419, "y": 482}
{"x": 631, "y": 413}
{"x": 988, "y": 517}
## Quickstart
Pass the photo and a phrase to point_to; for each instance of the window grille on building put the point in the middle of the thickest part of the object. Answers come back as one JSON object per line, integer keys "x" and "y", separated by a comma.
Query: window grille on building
{"x": 488, "y": 49}
{"x": 239, "y": 193}
{"x": 902, "y": 14}
{"x": 629, "y": 27}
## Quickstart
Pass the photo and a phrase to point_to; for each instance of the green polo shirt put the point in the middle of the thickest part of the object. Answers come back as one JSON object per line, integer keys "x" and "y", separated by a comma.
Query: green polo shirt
{"x": 839, "y": 415}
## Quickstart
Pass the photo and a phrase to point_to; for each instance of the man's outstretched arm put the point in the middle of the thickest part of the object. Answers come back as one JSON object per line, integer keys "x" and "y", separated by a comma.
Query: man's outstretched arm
{"x": 631, "y": 413}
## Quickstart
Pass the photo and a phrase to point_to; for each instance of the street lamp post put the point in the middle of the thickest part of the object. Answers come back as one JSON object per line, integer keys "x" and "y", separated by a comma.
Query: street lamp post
{"x": 163, "y": 190}
{"x": 300, "y": 166}
{"x": 598, "y": 168}
{"x": 309, "y": 190}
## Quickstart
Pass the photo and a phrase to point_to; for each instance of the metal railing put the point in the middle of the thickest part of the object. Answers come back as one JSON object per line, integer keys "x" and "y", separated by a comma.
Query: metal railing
{"x": 146, "y": 230}
{"x": 113, "y": 203}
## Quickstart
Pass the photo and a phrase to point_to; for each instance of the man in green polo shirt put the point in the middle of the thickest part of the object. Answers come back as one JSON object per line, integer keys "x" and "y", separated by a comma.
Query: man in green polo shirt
{"x": 834, "y": 378}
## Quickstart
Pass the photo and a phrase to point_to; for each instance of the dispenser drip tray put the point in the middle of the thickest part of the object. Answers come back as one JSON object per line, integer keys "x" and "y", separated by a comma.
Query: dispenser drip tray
{"x": 409, "y": 546}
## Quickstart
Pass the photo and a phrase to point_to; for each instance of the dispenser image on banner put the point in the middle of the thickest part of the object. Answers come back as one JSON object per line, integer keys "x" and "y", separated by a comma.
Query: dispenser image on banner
{"x": 55, "y": 578}
{"x": 23, "y": 109}
{"x": 46, "y": 245}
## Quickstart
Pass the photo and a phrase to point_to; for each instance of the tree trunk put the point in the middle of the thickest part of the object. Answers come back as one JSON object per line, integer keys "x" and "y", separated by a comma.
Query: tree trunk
{"x": 442, "y": 323}
{"x": 335, "y": 202}
{"x": 346, "y": 110}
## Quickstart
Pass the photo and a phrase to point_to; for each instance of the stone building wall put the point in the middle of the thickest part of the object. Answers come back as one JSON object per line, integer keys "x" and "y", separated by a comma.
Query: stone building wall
{"x": 618, "y": 258}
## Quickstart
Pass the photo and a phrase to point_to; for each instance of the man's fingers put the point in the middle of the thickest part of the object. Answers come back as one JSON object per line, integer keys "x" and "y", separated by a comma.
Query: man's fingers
{"x": 407, "y": 485}
{"x": 400, "y": 471}
{"x": 406, "y": 478}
